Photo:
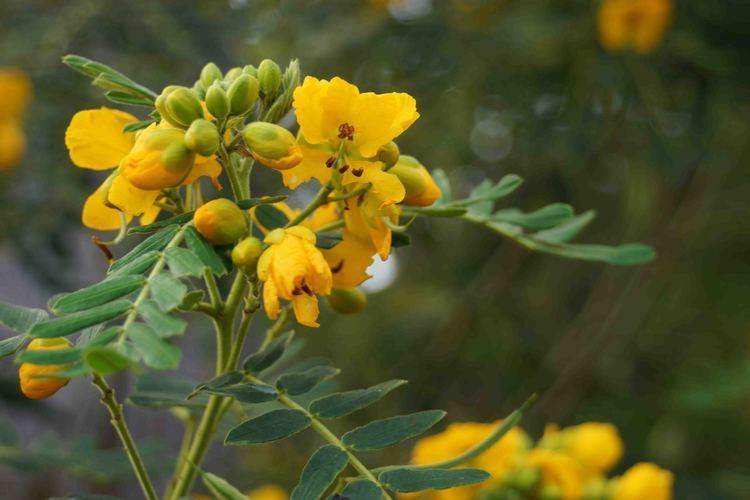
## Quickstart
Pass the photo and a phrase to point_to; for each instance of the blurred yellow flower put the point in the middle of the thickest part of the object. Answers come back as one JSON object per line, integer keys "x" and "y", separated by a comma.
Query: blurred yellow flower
{"x": 637, "y": 25}
{"x": 15, "y": 87}
{"x": 596, "y": 446}
{"x": 560, "y": 472}
{"x": 459, "y": 438}
{"x": 293, "y": 269}
{"x": 268, "y": 492}
{"x": 644, "y": 480}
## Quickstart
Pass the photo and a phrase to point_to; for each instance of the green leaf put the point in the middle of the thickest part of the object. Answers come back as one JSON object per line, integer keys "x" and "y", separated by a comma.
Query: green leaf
{"x": 20, "y": 319}
{"x": 409, "y": 480}
{"x": 270, "y": 217}
{"x": 266, "y": 200}
{"x": 435, "y": 211}
{"x": 78, "y": 321}
{"x": 157, "y": 352}
{"x": 191, "y": 299}
{"x": 623, "y": 255}
{"x": 223, "y": 380}
{"x": 320, "y": 472}
{"x": 139, "y": 265}
{"x": 271, "y": 426}
{"x": 205, "y": 251}
{"x": 73, "y": 371}
{"x": 107, "y": 77}
{"x": 127, "y": 99}
{"x": 167, "y": 291}
{"x": 163, "y": 390}
{"x": 135, "y": 127}
{"x": 259, "y": 361}
{"x": 105, "y": 360}
{"x": 183, "y": 262}
{"x": 482, "y": 198}
{"x": 100, "y": 293}
{"x": 326, "y": 241}
{"x": 400, "y": 239}
{"x": 220, "y": 488}
{"x": 155, "y": 226}
{"x": 246, "y": 393}
{"x": 567, "y": 230}
{"x": 362, "y": 489}
{"x": 98, "y": 337}
{"x": 50, "y": 356}
{"x": 390, "y": 431}
{"x": 300, "y": 383}
{"x": 549, "y": 216}
{"x": 11, "y": 345}
{"x": 155, "y": 242}
{"x": 165, "y": 325}
{"x": 344, "y": 403}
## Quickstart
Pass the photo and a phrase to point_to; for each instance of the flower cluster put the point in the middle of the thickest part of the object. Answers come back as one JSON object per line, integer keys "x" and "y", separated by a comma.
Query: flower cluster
{"x": 565, "y": 464}
{"x": 15, "y": 88}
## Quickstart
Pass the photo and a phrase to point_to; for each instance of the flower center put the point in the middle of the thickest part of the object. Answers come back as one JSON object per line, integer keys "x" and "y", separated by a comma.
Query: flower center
{"x": 346, "y": 131}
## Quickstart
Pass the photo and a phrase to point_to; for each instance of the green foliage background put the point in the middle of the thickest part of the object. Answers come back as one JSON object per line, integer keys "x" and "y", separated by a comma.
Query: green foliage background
{"x": 657, "y": 145}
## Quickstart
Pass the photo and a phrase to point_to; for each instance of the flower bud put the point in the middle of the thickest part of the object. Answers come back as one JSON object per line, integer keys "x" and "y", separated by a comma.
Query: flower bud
{"x": 389, "y": 154}
{"x": 347, "y": 300}
{"x": 250, "y": 70}
{"x": 594, "y": 489}
{"x": 159, "y": 159}
{"x": 161, "y": 105}
{"x": 217, "y": 101}
{"x": 209, "y": 74}
{"x": 202, "y": 137}
{"x": 232, "y": 74}
{"x": 246, "y": 253}
{"x": 421, "y": 190}
{"x": 269, "y": 77}
{"x": 242, "y": 94}
{"x": 220, "y": 221}
{"x": 272, "y": 145}
{"x": 33, "y": 383}
{"x": 523, "y": 479}
{"x": 184, "y": 106}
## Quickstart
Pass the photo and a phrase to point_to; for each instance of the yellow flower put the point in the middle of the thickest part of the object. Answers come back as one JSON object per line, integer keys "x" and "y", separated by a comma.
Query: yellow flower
{"x": 644, "y": 480}
{"x": 633, "y": 24}
{"x": 596, "y": 446}
{"x": 268, "y": 492}
{"x": 12, "y": 144}
{"x": 96, "y": 141}
{"x": 15, "y": 89}
{"x": 33, "y": 383}
{"x": 421, "y": 190}
{"x": 293, "y": 269}
{"x": 560, "y": 472}
{"x": 459, "y": 438}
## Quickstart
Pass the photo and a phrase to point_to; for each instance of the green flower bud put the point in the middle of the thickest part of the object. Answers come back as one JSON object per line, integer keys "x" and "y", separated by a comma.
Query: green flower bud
{"x": 220, "y": 221}
{"x": 242, "y": 94}
{"x": 246, "y": 253}
{"x": 272, "y": 145}
{"x": 199, "y": 90}
{"x": 217, "y": 101}
{"x": 269, "y": 77}
{"x": 202, "y": 137}
{"x": 209, "y": 74}
{"x": 347, "y": 300}
{"x": 250, "y": 70}
{"x": 177, "y": 158}
{"x": 389, "y": 154}
{"x": 525, "y": 479}
{"x": 161, "y": 104}
{"x": 184, "y": 106}
{"x": 232, "y": 74}
{"x": 421, "y": 189}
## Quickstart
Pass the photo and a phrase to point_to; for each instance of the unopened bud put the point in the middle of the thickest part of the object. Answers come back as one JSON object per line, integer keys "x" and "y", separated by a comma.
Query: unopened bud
{"x": 347, "y": 300}
{"x": 269, "y": 77}
{"x": 232, "y": 74}
{"x": 161, "y": 104}
{"x": 421, "y": 190}
{"x": 272, "y": 145}
{"x": 159, "y": 159}
{"x": 525, "y": 479}
{"x": 209, "y": 74}
{"x": 246, "y": 253}
{"x": 202, "y": 137}
{"x": 220, "y": 221}
{"x": 242, "y": 94}
{"x": 184, "y": 106}
{"x": 34, "y": 383}
{"x": 217, "y": 101}
{"x": 250, "y": 70}
{"x": 389, "y": 154}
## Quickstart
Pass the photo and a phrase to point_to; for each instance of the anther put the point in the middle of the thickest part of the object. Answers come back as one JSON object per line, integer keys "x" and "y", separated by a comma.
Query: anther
{"x": 346, "y": 131}
{"x": 330, "y": 161}
{"x": 358, "y": 172}
{"x": 344, "y": 169}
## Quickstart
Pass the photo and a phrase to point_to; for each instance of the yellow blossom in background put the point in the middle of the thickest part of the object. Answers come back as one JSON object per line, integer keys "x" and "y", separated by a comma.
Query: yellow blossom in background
{"x": 637, "y": 25}
{"x": 293, "y": 269}
{"x": 96, "y": 141}
{"x": 597, "y": 446}
{"x": 459, "y": 438}
{"x": 268, "y": 492}
{"x": 15, "y": 88}
{"x": 560, "y": 472}
{"x": 644, "y": 481}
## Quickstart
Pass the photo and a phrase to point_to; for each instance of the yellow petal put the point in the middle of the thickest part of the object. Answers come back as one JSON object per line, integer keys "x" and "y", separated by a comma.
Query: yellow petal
{"x": 386, "y": 188}
{"x": 130, "y": 199}
{"x": 313, "y": 165}
{"x": 15, "y": 89}
{"x": 380, "y": 118}
{"x": 270, "y": 300}
{"x": 349, "y": 261}
{"x": 150, "y": 215}
{"x": 322, "y": 106}
{"x": 204, "y": 166}
{"x": 97, "y": 215}
{"x": 306, "y": 309}
{"x": 95, "y": 138}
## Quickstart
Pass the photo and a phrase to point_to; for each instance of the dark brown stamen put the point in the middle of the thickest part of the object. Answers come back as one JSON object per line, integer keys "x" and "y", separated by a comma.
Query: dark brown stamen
{"x": 346, "y": 131}
{"x": 330, "y": 161}
{"x": 344, "y": 169}
{"x": 358, "y": 172}
{"x": 296, "y": 291}
{"x": 337, "y": 267}
{"x": 306, "y": 289}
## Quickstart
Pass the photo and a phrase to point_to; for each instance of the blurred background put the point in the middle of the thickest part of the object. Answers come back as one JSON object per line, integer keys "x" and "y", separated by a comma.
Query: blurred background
{"x": 656, "y": 143}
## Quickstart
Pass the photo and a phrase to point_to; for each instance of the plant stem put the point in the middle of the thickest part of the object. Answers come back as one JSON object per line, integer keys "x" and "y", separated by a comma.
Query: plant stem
{"x": 320, "y": 199}
{"x": 187, "y": 438}
{"x": 276, "y": 328}
{"x": 329, "y": 436}
{"x": 118, "y": 422}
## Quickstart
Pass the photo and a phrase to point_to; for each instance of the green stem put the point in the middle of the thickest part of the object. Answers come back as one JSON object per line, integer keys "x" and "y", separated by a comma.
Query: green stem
{"x": 332, "y": 226}
{"x": 329, "y": 436}
{"x": 187, "y": 438}
{"x": 213, "y": 290}
{"x": 248, "y": 313}
{"x": 277, "y": 327}
{"x": 320, "y": 199}
{"x": 118, "y": 422}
